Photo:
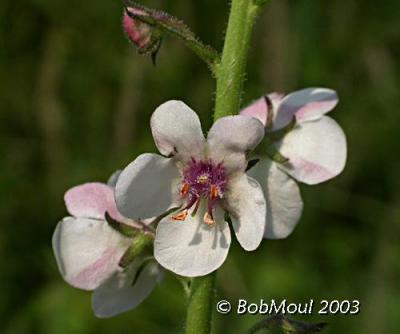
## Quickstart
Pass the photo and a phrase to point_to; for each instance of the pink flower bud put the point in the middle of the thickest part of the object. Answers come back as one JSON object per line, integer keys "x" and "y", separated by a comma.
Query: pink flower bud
{"x": 144, "y": 37}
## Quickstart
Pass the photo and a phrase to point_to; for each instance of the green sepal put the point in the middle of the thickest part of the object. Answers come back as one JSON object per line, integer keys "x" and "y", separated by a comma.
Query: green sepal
{"x": 251, "y": 163}
{"x": 139, "y": 244}
{"x": 126, "y": 230}
{"x": 270, "y": 112}
{"x": 140, "y": 269}
{"x": 273, "y": 153}
{"x": 279, "y": 134}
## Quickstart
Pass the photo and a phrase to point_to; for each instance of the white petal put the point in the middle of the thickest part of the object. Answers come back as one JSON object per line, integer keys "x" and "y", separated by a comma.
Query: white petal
{"x": 307, "y": 104}
{"x": 91, "y": 200}
{"x": 191, "y": 247}
{"x": 284, "y": 203}
{"x": 247, "y": 210}
{"x": 118, "y": 295}
{"x": 231, "y": 137}
{"x": 87, "y": 251}
{"x": 316, "y": 150}
{"x": 177, "y": 130}
{"x": 148, "y": 187}
{"x": 112, "y": 180}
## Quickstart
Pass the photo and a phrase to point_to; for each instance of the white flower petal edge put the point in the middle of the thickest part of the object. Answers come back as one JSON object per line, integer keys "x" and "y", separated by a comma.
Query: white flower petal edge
{"x": 231, "y": 137}
{"x": 87, "y": 251}
{"x": 307, "y": 104}
{"x": 284, "y": 203}
{"x": 176, "y": 129}
{"x": 247, "y": 206}
{"x": 91, "y": 200}
{"x": 112, "y": 180}
{"x": 118, "y": 295}
{"x": 191, "y": 248}
{"x": 148, "y": 187}
{"x": 317, "y": 151}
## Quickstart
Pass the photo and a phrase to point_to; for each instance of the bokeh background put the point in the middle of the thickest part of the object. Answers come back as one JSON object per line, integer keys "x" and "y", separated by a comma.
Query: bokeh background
{"x": 75, "y": 103}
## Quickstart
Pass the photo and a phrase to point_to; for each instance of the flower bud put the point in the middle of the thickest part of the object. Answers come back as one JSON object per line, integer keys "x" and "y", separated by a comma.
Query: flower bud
{"x": 145, "y": 37}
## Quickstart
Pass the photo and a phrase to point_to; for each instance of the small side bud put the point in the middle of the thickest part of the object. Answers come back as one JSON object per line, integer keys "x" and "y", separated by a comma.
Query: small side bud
{"x": 145, "y": 37}
{"x": 145, "y": 28}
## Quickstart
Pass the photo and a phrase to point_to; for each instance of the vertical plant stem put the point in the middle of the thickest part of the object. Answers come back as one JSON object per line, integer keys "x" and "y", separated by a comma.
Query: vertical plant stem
{"x": 201, "y": 303}
{"x": 230, "y": 73}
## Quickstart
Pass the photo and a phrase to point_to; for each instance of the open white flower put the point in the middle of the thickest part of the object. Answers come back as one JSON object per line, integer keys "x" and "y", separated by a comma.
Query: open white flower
{"x": 316, "y": 148}
{"x": 88, "y": 251}
{"x": 202, "y": 178}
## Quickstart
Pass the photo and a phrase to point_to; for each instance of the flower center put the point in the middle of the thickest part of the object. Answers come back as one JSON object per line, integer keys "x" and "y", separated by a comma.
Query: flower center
{"x": 202, "y": 180}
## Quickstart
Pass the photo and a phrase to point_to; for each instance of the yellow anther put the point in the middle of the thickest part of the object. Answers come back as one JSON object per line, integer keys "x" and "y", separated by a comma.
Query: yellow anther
{"x": 202, "y": 178}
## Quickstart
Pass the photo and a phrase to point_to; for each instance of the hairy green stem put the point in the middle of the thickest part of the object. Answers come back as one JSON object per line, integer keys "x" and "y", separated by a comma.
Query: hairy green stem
{"x": 201, "y": 304}
{"x": 230, "y": 73}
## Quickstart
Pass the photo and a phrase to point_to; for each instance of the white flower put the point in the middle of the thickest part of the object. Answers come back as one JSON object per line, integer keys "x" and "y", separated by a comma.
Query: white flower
{"x": 88, "y": 252}
{"x": 316, "y": 148}
{"x": 202, "y": 178}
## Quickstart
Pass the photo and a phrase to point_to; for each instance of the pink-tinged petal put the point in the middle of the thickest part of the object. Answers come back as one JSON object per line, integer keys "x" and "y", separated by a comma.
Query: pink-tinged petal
{"x": 230, "y": 138}
{"x": 247, "y": 209}
{"x": 307, "y": 104}
{"x": 138, "y": 33}
{"x": 177, "y": 131}
{"x": 317, "y": 151}
{"x": 259, "y": 109}
{"x": 276, "y": 99}
{"x": 284, "y": 203}
{"x": 148, "y": 187}
{"x": 118, "y": 295}
{"x": 87, "y": 251}
{"x": 91, "y": 200}
{"x": 191, "y": 247}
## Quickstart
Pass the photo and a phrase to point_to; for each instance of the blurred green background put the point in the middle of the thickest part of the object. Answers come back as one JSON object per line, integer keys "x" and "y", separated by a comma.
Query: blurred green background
{"x": 75, "y": 102}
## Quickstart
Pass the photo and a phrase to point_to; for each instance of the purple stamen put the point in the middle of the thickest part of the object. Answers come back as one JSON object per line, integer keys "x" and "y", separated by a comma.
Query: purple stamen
{"x": 204, "y": 179}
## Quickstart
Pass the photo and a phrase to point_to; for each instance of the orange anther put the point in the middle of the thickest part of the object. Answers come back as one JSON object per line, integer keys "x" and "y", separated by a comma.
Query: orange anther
{"x": 185, "y": 189}
{"x": 208, "y": 219}
{"x": 181, "y": 216}
{"x": 214, "y": 191}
